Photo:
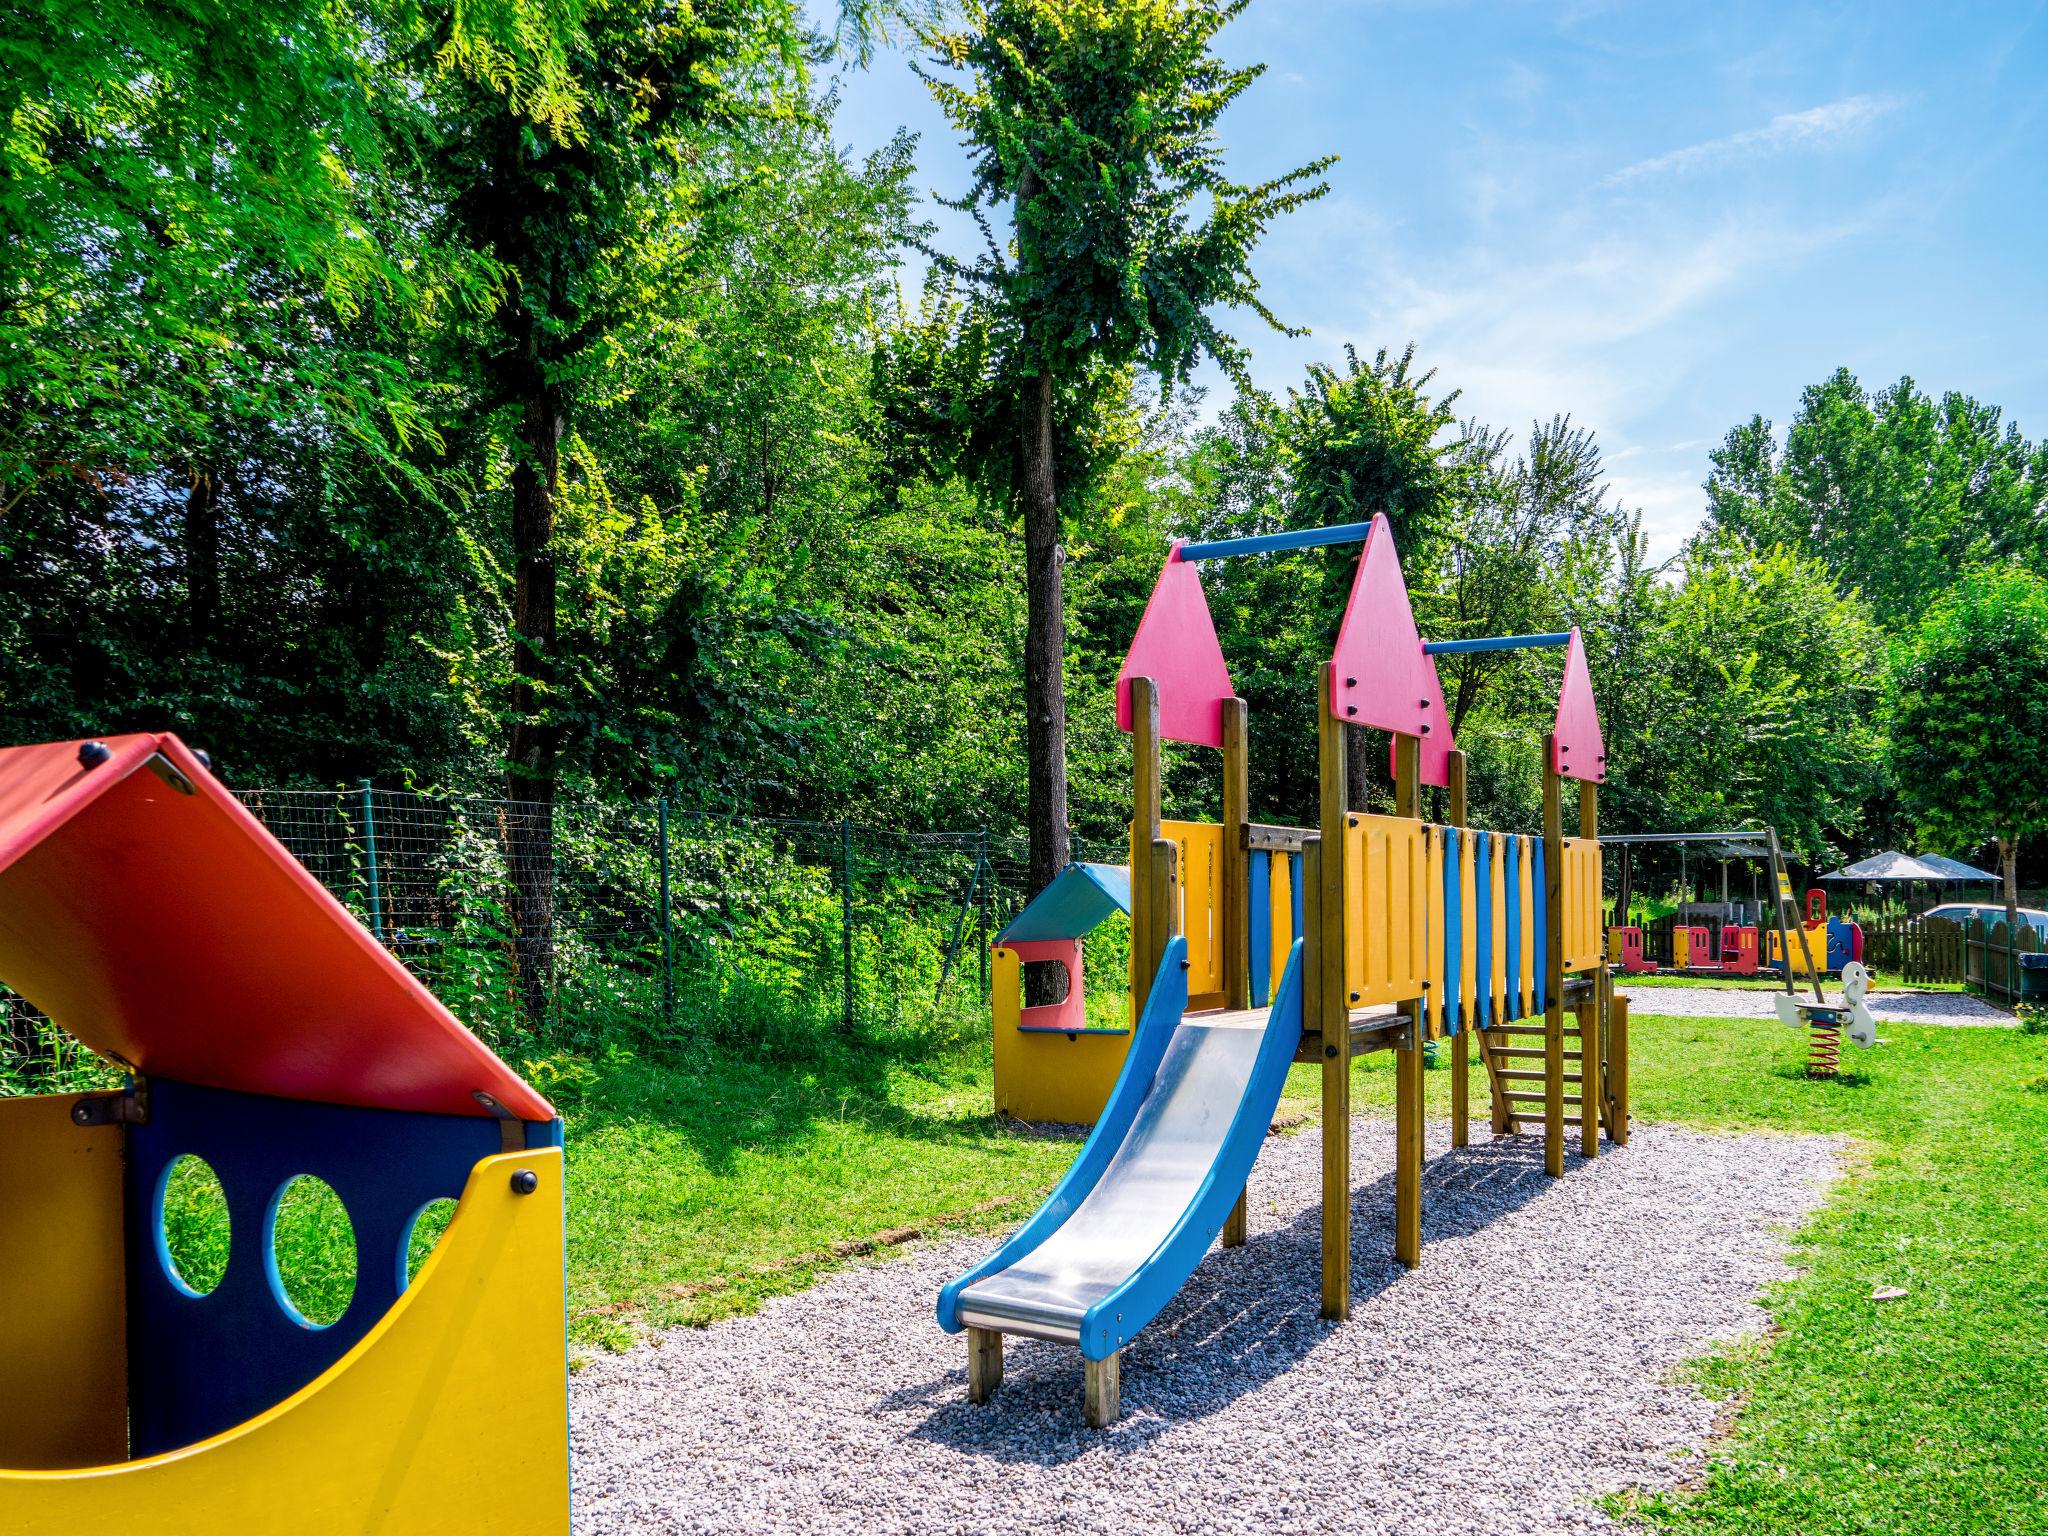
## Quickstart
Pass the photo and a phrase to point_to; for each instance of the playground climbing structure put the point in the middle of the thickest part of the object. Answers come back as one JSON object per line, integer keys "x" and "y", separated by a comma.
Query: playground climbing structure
{"x": 1252, "y": 944}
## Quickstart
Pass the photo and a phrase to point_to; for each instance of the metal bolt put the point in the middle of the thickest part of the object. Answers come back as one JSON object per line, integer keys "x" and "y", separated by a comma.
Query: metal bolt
{"x": 1330, "y": 1052}
{"x": 525, "y": 1182}
{"x": 92, "y": 753}
{"x": 1425, "y": 727}
{"x": 1350, "y": 682}
{"x": 1350, "y": 821}
{"x": 1424, "y": 703}
{"x": 1350, "y": 709}
{"x": 1354, "y": 997}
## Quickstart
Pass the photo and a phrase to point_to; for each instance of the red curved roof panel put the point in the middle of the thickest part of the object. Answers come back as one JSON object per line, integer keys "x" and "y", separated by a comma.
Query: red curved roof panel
{"x": 146, "y": 911}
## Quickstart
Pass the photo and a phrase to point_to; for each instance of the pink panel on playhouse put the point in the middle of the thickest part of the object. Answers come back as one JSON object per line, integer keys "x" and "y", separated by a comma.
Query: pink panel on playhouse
{"x": 1580, "y": 752}
{"x": 1384, "y": 677}
{"x": 1069, "y": 1013}
{"x": 1176, "y": 647}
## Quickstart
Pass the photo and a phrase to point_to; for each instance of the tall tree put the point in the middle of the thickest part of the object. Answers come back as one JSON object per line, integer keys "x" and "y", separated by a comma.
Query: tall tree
{"x": 1969, "y": 718}
{"x": 1092, "y": 125}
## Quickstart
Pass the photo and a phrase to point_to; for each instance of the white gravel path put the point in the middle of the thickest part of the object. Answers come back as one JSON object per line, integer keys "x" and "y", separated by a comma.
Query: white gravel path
{"x": 1949, "y": 1008}
{"x": 1523, "y": 1370}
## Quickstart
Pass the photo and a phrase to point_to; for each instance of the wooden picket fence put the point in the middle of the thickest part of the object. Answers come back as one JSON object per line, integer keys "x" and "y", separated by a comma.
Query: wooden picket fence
{"x": 1929, "y": 950}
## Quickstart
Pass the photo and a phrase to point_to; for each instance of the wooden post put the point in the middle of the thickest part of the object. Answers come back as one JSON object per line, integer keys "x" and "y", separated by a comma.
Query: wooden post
{"x": 1162, "y": 902}
{"x": 1461, "y": 1044}
{"x": 1553, "y": 960}
{"x": 1144, "y": 832}
{"x": 1408, "y": 1056}
{"x": 1236, "y": 904}
{"x": 1617, "y": 1069}
{"x": 1102, "y": 1391}
{"x": 1592, "y": 1019}
{"x": 984, "y": 1363}
{"x": 1335, "y": 1014}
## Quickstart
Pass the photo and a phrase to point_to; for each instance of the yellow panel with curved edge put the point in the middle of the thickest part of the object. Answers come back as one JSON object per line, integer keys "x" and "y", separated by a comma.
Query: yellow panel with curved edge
{"x": 1280, "y": 899}
{"x": 1386, "y": 909}
{"x": 450, "y": 1417}
{"x": 63, "y": 1288}
{"x": 1584, "y": 938}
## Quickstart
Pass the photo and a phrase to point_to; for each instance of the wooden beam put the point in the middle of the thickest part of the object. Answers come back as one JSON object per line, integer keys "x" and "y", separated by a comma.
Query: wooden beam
{"x": 1461, "y": 1042}
{"x": 1593, "y": 1013}
{"x": 1335, "y": 1014}
{"x": 1103, "y": 1391}
{"x": 1617, "y": 1069}
{"x": 1553, "y": 961}
{"x": 1408, "y": 1059}
{"x": 1236, "y": 901}
{"x": 1145, "y": 793}
{"x": 1271, "y": 839}
{"x": 984, "y": 1363}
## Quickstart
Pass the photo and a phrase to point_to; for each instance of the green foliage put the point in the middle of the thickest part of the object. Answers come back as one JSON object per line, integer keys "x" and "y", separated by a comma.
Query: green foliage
{"x": 1969, "y": 714}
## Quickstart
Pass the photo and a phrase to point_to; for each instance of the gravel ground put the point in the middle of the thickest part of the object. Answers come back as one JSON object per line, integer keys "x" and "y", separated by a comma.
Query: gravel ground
{"x": 1953, "y": 1008}
{"x": 1522, "y": 1371}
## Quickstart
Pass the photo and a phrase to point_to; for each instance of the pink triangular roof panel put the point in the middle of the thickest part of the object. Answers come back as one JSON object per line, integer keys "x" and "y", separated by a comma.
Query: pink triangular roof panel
{"x": 1580, "y": 751}
{"x": 1384, "y": 677}
{"x": 1176, "y": 647}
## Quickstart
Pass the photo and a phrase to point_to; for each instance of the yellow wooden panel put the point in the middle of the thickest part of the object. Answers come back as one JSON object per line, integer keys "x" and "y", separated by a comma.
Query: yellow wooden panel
{"x": 1468, "y": 939}
{"x": 448, "y": 1417}
{"x": 1816, "y": 947}
{"x": 1280, "y": 893}
{"x": 63, "y": 1289}
{"x": 1201, "y": 906}
{"x": 1583, "y": 936}
{"x": 1046, "y": 1075}
{"x": 1498, "y": 889}
{"x": 1386, "y": 895}
{"x": 1530, "y": 896}
{"x": 1433, "y": 999}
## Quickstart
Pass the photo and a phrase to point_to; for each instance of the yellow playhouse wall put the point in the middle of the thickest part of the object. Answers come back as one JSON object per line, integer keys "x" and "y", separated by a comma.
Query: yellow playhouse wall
{"x": 449, "y": 1418}
{"x": 1043, "y": 1075}
{"x": 1386, "y": 904}
{"x": 63, "y": 1289}
{"x": 1584, "y": 939}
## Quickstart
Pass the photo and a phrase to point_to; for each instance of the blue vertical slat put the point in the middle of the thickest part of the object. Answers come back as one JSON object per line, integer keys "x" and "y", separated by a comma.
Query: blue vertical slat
{"x": 1294, "y": 884}
{"x": 1539, "y": 886}
{"x": 1482, "y": 903}
{"x": 1514, "y": 934}
{"x": 1260, "y": 909}
{"x": 1454, "y": 934}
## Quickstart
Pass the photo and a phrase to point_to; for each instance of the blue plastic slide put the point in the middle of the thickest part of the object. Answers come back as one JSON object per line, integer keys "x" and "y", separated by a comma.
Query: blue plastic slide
{"x": 1121, "y": 1233}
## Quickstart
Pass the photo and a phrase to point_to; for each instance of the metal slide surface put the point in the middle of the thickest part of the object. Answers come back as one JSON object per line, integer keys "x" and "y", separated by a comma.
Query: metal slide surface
{"x": 1152, "y": 1187}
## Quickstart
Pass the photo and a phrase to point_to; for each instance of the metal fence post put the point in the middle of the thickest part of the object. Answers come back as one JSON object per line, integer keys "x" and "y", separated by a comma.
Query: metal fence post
{"x": 370, "y": 848}
{"x": 846, "y": 917}
{"x": 668, "y": 943}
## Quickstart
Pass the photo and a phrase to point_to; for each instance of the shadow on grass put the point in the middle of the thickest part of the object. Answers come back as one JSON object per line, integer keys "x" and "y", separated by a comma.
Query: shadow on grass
{"x": 1247, "y": 1316}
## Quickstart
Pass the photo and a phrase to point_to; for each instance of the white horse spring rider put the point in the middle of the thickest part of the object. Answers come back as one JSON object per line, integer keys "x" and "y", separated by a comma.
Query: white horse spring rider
{"x": 1852, "y": 1011}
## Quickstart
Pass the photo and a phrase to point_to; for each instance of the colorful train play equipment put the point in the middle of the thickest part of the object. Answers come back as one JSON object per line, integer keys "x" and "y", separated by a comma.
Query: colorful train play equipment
{"x": 146, "y": 912}
{"x": 1254, "y": 946}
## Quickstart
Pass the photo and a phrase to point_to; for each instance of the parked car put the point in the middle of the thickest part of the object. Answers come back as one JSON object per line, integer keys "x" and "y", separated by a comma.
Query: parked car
{"x": 1969, "y": 911}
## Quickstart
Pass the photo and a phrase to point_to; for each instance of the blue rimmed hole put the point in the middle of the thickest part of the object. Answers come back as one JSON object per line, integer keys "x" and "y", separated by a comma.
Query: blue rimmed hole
{"x": 309, "y": 1251}
{"x": 192, "y": 1225}
{"x": 422, "y": 1234}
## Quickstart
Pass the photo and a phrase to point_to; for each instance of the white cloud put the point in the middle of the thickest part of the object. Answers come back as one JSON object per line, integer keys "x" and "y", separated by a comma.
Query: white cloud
{"x": 1788, "y": 130}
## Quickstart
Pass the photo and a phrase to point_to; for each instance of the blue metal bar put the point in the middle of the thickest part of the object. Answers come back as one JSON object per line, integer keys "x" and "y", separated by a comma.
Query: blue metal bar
{"x": 1259, "y": 544}
{"x": 1491, "y": 642}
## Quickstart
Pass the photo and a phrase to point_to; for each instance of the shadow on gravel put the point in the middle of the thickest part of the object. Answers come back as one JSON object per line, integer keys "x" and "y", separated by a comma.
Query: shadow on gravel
{"x": 1245, "y": 1317}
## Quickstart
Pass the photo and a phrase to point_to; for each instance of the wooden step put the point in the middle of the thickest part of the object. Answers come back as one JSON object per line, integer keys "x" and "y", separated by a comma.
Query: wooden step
{"x": 1528, "y": 1029}
{"x": 1533, "y": 1077}
{"x": 1539, "y": 1098}
{"x": 1525, "y": 1053}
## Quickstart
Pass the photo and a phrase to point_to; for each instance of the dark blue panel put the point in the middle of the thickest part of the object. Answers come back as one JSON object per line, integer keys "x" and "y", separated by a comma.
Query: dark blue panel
{"x": 202, "y": 1364}
{"x": 1514, "y": 938}
{"x": 1539, "y": 889}
{"x": 1452, "y": 918}
{"x": 1260, "y": 940}
{"x": 1295, "y": 909}
{"x": 1482, "y": 905}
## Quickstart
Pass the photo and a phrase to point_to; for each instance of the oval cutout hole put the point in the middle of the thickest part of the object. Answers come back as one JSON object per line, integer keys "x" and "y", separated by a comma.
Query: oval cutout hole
{"x": 428, "y": 1223}
{"x": 192, "y": 1225}
{"x": 312, "y": 1251}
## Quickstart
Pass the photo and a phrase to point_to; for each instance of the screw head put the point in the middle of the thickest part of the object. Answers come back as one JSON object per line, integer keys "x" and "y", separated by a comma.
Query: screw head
{"x": 1330, "y": 1053}
{"x": 1350, "y": 709}
{"x": 525, "y": 1182}
{"x": 92, "y": 753}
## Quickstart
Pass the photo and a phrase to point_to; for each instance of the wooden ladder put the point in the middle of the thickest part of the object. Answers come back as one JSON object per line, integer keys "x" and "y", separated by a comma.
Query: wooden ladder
{"x": 1516, "y": 1072}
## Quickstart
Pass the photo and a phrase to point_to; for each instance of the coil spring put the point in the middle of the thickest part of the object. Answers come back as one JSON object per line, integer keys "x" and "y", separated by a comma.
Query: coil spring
{"x": 1824, "y": 1049}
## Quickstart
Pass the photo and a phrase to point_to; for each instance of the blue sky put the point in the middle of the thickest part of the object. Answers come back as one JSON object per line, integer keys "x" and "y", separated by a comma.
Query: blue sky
{"x": 1659, "y": 219}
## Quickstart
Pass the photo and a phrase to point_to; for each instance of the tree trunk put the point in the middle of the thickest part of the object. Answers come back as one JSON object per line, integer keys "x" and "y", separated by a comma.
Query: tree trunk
{"x": 2009, "y": 867}
{"x": 202, "y": 562}
{"x": 534, "y": 738}
{"x": 1045, "y": 694}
